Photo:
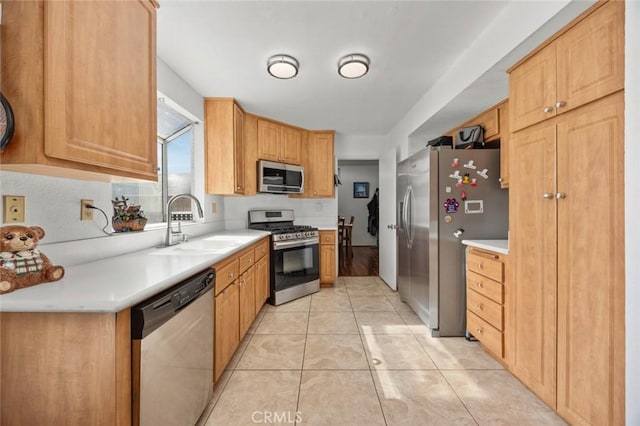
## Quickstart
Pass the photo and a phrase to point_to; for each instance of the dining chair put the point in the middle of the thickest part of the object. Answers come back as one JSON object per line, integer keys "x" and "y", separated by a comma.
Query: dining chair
{"x": 340, "y": 231}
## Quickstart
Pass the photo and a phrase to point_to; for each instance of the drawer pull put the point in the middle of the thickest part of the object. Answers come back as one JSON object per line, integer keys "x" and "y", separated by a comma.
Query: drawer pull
{"x": 479, "y": 330}
{"x": 480, "y": 266}
{"x": 479, "y": 284}
{"x": 230, "y": 274}
{"x": 479, "y": 306}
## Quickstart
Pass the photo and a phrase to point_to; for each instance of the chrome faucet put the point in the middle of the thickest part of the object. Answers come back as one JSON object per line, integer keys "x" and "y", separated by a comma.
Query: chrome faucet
{"x": 168, "y": 240}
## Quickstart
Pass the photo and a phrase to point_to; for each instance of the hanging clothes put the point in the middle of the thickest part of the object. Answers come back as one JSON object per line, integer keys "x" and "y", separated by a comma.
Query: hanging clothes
{"x": 372, "y": 222}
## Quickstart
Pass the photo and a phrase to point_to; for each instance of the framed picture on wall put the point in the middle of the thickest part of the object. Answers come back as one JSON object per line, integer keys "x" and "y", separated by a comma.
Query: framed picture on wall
{"x": 360, "y": 189}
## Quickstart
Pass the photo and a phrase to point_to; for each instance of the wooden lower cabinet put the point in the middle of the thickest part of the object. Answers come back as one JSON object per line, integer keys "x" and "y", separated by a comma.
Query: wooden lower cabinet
{"x": 262, "y": 282}
{"x": 62, "y": 368}
{"x": 327, "y": 258}
{"x": 486, "y": 284}
{"x": 247, "y": 284}
{"x": 227, "y": 328}
{"x": 238, "y": 299}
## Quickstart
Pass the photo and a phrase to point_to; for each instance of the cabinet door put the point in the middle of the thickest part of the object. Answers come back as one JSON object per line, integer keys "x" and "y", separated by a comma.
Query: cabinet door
{"x": 503, "y": 112}
{"x": 321, "y": 164}
{"x": 247, "y": 300}
{"x": 590, "y": 57}
{"x": 291, "y": 145}
{"x": 238, "y": 149}
{"x": 532, "y": 90}
{"x": 262, "y": 282}
{"x": 591, "y": 277}
{"x": 532, "y": 223}
{"x": 100, "y": 84}
{"x": 327, "y": 263}
{"x": 227, "y": 328}
{"x": 268, "y": 140}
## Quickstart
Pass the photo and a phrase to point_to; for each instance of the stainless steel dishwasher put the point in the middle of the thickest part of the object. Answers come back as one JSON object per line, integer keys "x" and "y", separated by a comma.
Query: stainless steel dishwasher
{"x": 172, "y": 353}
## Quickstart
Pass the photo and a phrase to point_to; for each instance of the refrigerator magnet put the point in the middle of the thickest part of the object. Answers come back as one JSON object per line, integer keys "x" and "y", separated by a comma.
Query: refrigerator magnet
{"x": 484, "y": 174}
{"x": 465, "y": 178}
{"x": 447, "y": 219}
{"x": 470, "y": 165}
{"x": 456, "y": 175}
{"x": 474, "y": 182}
{"x": 456, "y": 163}
{"x": 459, "y": 183}
{"x": 463, "y": 195}
{"x": 451, "y": 205}
{"x": 474, "y": 206}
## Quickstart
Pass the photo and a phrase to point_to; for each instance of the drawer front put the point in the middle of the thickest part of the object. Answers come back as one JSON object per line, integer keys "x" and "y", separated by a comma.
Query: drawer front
{"x": 484, "y": 265}
{"x": 488, "y": 336}
{"x": 261, "y": 250}
{"x": 246, "y": 260}
{"x": 226, "y": 275}
{"x": 485, "y": 308}
{"x": 485, "y": 286}
{"x": 327, "y": 237}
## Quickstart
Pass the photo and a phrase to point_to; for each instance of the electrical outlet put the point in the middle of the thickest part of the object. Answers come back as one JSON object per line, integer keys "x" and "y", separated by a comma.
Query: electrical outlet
{"x": 214, "y": 208}
{"x": 85, "y": 212}
{"x": 13, "y": 208}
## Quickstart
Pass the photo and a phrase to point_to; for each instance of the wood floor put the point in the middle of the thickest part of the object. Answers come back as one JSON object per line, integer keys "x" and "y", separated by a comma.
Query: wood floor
{"x": 364, "y": 262}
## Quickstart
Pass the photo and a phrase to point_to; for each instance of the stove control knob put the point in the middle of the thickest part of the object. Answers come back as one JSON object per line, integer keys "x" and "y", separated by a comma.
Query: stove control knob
{"x": 298, "y": 234}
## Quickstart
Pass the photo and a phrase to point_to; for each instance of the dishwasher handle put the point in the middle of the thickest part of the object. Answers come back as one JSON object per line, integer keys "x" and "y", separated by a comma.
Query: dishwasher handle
{"x": 147, "y": 316}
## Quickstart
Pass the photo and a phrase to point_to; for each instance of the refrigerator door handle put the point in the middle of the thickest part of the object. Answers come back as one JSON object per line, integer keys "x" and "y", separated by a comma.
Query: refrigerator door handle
{"x": 410, "y": 229}
{"x": 403, "y": 216}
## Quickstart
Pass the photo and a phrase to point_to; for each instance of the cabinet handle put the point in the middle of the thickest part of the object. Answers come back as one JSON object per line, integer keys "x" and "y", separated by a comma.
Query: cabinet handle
{"x": 480, "y": 266}
{"x": 238, "y": 187}
{"x": 500, "y": 180}
{"x": 561, "y": 195}
{"x": 560, "y": 104}
{"x": 230, "y": 274}
{"x": 479, "y": 284}
{"x": 479, "y": 306}
{"x": 154, "y": 169}
{"x": 479, "y": 330}
{"x": 547, "y": 110}
{"x": 547, "y": 195}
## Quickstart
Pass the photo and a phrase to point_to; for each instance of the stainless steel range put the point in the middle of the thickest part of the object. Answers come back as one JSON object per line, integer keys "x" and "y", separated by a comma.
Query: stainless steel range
{"x": 294, "y": 254}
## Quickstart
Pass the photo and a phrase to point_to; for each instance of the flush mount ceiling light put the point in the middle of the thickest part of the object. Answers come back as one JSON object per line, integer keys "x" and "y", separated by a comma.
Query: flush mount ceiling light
{"x": 282, "y": 66}
{"x": 353, "y": 66}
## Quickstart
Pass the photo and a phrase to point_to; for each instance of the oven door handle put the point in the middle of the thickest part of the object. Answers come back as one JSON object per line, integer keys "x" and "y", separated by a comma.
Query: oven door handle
{"x": 279, "y": 245}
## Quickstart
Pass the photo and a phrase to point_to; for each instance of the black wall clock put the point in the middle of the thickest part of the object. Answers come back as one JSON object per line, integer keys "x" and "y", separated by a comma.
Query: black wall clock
{"x": 7, "y": 124}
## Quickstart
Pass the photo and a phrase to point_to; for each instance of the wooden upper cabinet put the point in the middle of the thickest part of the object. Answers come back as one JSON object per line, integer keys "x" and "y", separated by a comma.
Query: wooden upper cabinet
{"x": 268, "y": 140}
{"x": 590, "y": 58}
{"x": 532, "y": 90}
{"x": 280, "y": 143}
{"x": 81, "y": 76}
{"x": 291, "y": 145}
{"x": 227, "y": 150}
{"x": 320, "y": 166}
{"x": 490, "y": 123}
{"x": 581, "y": 65}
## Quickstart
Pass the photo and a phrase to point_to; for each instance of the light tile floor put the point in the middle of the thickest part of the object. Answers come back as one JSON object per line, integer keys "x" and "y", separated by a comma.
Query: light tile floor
{"x": 355, "y": 354}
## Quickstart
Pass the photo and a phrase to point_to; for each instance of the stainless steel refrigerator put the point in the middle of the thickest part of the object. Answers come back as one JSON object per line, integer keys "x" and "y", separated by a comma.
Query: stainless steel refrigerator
{"x": 444, "y": 197}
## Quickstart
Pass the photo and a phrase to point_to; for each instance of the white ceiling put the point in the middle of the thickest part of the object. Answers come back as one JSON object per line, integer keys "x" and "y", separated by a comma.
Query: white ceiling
{"x": 221, "y": 49}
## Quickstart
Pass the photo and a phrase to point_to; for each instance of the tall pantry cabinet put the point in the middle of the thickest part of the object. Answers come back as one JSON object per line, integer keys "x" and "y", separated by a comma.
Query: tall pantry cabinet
{"x": 567, "y": 227}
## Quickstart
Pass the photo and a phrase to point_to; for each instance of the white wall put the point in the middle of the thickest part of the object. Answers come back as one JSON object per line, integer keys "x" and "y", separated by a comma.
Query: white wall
{"x": 358, "y": 147}
{"x": 632, "y": 206}
{"x": 357, "y": 207}
{"x": 54, "y": 203}
{"x": 315, "y": 212}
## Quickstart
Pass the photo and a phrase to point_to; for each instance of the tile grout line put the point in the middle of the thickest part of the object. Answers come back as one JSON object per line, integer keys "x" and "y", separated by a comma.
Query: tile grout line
{"x": 304, "y": 352}
{"x": 458, "y": 396}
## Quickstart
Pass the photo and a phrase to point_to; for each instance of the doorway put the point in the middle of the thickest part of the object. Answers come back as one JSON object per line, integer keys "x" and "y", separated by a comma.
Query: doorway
{"x": 358, "y": 205}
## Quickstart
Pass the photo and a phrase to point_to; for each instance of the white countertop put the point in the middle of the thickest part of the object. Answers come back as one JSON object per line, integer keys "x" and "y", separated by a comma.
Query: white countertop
{"x": 327, "y": 228}
{"x": 116, "y": 283}
{"x": 498, "y": 246}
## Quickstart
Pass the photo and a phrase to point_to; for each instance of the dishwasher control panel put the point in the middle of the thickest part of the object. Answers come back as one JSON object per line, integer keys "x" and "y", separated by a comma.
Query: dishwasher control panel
{"x": 150, "y": 314}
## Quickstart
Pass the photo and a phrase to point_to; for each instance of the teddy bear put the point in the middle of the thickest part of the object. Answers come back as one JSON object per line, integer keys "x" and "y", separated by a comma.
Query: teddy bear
{"x": 21, "y": 263}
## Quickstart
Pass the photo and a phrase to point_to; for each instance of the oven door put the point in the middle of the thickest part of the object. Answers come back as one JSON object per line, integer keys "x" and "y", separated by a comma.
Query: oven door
{"x": 294, "y": 263}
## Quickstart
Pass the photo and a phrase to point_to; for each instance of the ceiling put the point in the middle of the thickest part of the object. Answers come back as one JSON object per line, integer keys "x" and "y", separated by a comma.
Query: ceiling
{"x": 221, "y": 49}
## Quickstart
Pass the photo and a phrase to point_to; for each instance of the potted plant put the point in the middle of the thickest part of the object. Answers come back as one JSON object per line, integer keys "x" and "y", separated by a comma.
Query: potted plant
{"x": 127, "y": 217}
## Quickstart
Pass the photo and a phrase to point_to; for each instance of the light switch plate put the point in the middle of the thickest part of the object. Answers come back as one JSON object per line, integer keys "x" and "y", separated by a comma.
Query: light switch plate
{"x": 13, "y": 208}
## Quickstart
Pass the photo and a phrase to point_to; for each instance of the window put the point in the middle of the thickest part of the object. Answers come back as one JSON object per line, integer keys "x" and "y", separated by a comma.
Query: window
{"x": 175, "y": 165}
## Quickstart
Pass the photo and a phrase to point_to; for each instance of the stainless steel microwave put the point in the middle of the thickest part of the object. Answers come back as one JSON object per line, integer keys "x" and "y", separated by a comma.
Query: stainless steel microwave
{"x": 279, "y": 178}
